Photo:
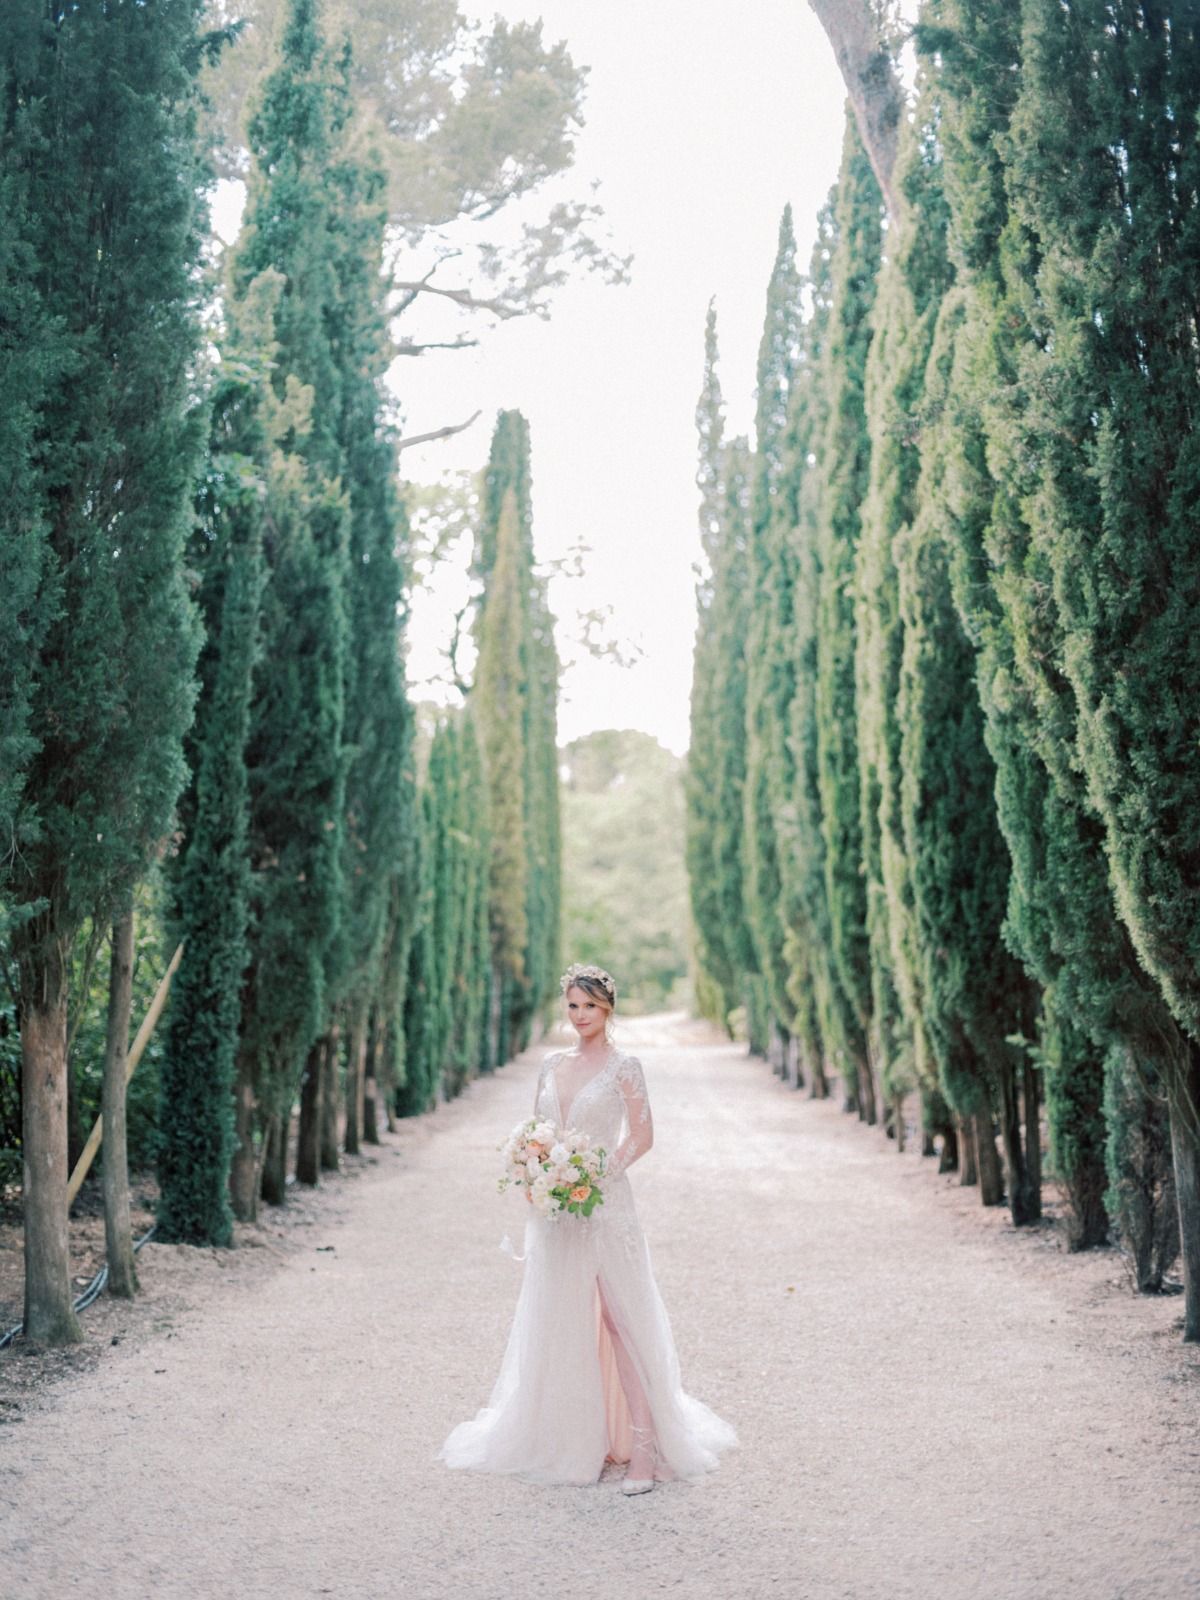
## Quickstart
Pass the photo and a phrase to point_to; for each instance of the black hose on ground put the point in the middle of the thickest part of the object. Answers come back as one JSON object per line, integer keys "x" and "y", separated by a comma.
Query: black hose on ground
{"x": 92, "y": 1292}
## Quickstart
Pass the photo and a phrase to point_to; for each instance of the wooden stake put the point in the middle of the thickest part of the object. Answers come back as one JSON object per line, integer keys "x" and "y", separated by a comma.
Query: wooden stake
{"x": 137, "y": 1050}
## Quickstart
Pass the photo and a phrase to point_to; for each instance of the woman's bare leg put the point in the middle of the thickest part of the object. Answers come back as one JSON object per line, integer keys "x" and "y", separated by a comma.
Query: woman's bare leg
{"x": 641, "y": 1461}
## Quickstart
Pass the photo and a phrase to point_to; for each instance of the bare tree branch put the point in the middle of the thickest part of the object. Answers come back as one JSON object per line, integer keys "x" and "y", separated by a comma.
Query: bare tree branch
{"x": 461, "y": 297}
{"x": 874, "y": 86}
{"x": 456, "y": 640}
{"x": 412, "y": 347}
{"x": 438, "y": 433}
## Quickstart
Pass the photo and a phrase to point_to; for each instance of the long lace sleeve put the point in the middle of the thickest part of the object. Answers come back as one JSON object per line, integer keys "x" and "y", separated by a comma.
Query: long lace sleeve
{"x": 632, "y": 1084}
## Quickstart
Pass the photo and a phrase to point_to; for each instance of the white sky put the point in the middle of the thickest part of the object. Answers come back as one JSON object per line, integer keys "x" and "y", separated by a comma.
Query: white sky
{"x": 702, "y": 120}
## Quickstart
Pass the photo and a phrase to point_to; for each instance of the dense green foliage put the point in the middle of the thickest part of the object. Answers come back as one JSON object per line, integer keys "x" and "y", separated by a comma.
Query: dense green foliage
{"x": 717, "y": 758}
{"x": 770, "y": 683}
{"x": 101, "y": 328}
{"x": 202, "y": 590}
{"x": 515, "y": 699}
{"x": 625, "y": 893}
{"x": 985, "y": 820}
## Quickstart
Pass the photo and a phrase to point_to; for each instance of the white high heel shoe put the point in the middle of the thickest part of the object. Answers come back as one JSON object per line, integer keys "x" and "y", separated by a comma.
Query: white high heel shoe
{"x": 643, "y": 1439}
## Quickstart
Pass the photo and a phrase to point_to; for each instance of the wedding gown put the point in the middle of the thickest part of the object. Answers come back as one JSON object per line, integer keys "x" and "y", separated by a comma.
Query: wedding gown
{"x": 558, "y": 1410}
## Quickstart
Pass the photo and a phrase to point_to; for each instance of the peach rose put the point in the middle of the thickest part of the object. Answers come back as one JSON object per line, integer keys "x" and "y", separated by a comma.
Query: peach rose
{"x": 581, "y": 1192}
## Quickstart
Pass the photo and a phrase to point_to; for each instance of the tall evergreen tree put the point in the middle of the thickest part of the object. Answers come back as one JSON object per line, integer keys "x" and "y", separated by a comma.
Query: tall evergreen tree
{"x": 104, "y": 255}
{"x": 716, "y": 754}
{"x": 418, "y": 1087}
{"x": 1099, "y": 1009}
{"x": 813, "y": 978}
{"x": 845, "y": 465}
{"x": 195, "y": 1119}
{"x": 1105, "y": 261}
{"x": 380, "y": 821}
{"x": 770, "y": 676}
{"x": 913, "y": 280}
{"x": 467, "y": 1053}
{"x": 295, "y": 757}
{"x": 497, "y": 700}
{"x": 525, "y": 990}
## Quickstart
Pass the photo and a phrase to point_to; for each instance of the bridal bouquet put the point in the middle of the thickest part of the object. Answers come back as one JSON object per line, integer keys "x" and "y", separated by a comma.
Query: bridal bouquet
{"x": 559, "y": 1171}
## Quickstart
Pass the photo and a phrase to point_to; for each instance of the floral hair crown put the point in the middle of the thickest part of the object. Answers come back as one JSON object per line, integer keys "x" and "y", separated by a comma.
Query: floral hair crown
{"x": 597, "y": 974}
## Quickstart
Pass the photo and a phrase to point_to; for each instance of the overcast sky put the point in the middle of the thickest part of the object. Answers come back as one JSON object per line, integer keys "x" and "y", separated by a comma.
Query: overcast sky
{"x": 702, "y": 120}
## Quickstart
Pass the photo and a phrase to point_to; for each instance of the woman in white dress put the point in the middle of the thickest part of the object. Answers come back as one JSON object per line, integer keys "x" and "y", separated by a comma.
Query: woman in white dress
{"x": 590, "y": 1373}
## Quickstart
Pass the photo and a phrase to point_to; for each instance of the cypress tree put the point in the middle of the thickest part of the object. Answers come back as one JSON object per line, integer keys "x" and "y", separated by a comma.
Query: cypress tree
{"x": 845, "y": 464}
{"x": 813, "y": 979}
{"x": 508, "y": 473}
{"x": 543, "y": 826}
{"x": 770, "y": 678}
{"x": 418, "y": 1085}
{"x": 1103, "y": 254}
{"x": 728, "y": 929}
{"x": 379, "y": 820}
{"x": 497, "y": 700}
{"x": 1099, "y": 1010}
{"x": 31, "y": 356}
{"x": 295, "y": 756}
{"x": 195, "y": 1119}
{"x": 716, "y": 753}
{"x": 976, "y": 996}
{"x": 468, "y": 986}
{"x": 102, "y": 257}
{"x": 912, "y": 283}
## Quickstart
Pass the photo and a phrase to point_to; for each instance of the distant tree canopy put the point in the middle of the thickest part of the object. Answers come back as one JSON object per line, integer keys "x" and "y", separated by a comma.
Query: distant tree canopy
{"x": 624, "y": 878}
{"x": 467, "y": 121}
{"x": 970, "y": 557}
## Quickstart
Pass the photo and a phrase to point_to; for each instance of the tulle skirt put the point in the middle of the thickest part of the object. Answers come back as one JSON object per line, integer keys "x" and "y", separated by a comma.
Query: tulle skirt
{"x": 558, "y": 1411}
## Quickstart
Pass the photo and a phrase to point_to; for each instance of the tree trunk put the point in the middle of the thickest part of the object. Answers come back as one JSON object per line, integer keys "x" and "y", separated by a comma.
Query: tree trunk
{"x": 871, "y": 82}
{"x": 818, "y": 1082}
{"x": 898, "y": 1119}
{"x": 867, "y": 1109}
{"x": 370, "y": 1112}
{"x": 968, "y": 1165}
{"x": 1185, "y": 1154}
{"x": 495, "y": 1018}
{"x": 308, "y": 1143}
{"x": 371, "y": 1085}
{"x": 356, "y": 1056}
{"x": 775, "y": 1049}
{"x": 991, "y": 1174}
{"x": 49, "y": 1315}
{"x": 329, "y": 1099}
{"x": 948, "y": 1160}
{"x": 1024, "y": 1206}
{"x": 118, "y": 1231}
{"x": 849, "y": 1077}
{"x": 243, "y": 1171}
{"x": 795, "y": 1068}
{"x": 274, "y": 1167}
{"x": 1031, "y": 1093}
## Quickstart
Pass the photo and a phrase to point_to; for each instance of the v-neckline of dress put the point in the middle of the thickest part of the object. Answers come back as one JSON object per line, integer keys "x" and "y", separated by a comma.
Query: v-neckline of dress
{"x": 583, "y": 1087}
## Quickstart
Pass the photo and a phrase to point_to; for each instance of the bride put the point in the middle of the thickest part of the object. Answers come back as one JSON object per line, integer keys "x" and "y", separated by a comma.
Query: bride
{"x": 590, "y": 1373}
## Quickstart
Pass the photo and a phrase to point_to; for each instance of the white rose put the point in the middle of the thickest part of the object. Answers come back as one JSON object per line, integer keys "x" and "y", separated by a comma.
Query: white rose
{"x": 559, "y": 1154}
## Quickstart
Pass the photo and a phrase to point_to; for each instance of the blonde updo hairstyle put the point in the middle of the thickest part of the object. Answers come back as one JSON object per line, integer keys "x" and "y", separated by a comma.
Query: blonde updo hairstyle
{"x": 597, "y": 985}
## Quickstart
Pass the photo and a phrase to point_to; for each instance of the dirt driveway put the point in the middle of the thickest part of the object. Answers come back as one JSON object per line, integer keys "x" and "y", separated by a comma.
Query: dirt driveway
{"x": 929, "y": 1405}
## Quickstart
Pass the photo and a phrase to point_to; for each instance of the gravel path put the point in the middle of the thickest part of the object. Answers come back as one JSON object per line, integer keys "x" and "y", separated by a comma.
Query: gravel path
{"x": 929, "y": 1405}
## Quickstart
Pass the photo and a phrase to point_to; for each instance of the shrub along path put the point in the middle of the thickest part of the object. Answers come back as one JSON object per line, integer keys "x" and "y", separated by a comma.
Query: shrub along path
{"x": 928, "y": 1403}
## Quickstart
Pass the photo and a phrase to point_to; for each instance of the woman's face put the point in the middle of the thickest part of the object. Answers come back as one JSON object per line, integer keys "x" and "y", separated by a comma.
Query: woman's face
{"x": 586, "y": 1016}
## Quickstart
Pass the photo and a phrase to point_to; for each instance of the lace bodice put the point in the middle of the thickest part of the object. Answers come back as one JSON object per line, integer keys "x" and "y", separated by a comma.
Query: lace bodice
{"x": 612, "y": 1108}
